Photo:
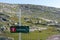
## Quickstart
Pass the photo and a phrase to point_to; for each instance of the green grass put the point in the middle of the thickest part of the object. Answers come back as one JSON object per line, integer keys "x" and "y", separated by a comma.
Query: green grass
{"x": 39, "y": 35}
{"x": 36, "y": 35}
{"x": 12, "y": 35}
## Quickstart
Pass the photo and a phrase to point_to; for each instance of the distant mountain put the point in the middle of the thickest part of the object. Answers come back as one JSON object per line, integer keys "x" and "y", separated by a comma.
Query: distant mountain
{"x": 33, "y": 10}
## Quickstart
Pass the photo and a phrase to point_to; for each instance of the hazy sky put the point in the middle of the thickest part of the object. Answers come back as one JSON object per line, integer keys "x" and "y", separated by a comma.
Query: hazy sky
{"x": 53, "y": 3}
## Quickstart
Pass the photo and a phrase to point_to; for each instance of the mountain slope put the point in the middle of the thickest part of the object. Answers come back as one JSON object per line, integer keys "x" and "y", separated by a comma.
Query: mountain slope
{"x": 33, "y": 10}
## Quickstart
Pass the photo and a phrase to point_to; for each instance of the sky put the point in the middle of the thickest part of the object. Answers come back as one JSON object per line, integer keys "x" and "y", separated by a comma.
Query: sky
{"x": 52, "y": 3}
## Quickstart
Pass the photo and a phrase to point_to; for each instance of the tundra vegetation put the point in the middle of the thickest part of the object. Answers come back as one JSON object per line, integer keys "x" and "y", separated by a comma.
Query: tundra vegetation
{"x": 35, "y": 16}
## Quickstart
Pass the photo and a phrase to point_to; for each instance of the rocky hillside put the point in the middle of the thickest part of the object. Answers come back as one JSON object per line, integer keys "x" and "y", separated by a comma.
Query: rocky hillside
{"x": 30, "y": 10}
{"x": 41, "y": 11}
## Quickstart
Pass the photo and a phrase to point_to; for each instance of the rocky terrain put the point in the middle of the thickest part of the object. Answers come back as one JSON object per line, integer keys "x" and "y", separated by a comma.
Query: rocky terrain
{"x": 29, "y": 9}
{"x": 30, "y": 15}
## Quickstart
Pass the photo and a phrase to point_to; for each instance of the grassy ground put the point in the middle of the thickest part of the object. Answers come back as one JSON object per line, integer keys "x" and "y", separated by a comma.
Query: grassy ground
{"x": 43, "y": 35}
{"x": 36, "y": 35}
{"x": 12, "y": 35}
